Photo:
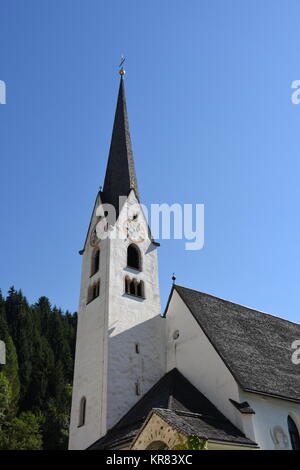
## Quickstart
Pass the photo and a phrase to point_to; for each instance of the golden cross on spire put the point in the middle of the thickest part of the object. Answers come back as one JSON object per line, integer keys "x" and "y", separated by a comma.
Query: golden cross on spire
{"x": 122, "y": 71}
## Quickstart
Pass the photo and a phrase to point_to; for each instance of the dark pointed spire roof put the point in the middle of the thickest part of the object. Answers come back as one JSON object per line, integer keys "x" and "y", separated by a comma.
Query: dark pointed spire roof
{"x": 120, "y": 175}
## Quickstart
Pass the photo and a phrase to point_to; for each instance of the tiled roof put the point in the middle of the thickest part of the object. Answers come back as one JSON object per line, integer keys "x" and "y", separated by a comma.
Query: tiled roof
{"x": 213, "y": 427}
{"x": 176, "y": 399}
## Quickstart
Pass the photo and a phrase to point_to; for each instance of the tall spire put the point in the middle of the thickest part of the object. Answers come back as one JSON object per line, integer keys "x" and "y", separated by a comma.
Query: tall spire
{"x": 120, "y": 175}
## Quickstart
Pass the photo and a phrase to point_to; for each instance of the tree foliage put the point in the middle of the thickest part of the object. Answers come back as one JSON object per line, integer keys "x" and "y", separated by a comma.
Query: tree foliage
{"x": 5, "y": 398}
{"x": 23, "y": 433}
{"x": 190, "y": 443}
{"x": 35, "y": 382}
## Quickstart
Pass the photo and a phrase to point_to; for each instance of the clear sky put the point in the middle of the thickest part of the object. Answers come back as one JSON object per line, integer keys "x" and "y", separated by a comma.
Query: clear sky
{"x": 208, "y": 86}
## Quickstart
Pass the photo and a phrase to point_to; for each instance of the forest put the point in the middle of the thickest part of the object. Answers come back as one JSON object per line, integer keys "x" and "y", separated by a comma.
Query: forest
{"x": 36, "y": 381}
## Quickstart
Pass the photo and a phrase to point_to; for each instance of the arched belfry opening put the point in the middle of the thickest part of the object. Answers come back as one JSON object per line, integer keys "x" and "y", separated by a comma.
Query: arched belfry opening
{"x": 93, "y": 291}
{"x": 95, "y": 264}
{"x": 134, "y": 287}
{"x": 134, "y": 259}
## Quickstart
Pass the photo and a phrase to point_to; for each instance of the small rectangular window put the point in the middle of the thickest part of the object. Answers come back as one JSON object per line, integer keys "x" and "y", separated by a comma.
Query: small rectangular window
{"x": 137, "y": 388}
{"x": 82, "y": 410}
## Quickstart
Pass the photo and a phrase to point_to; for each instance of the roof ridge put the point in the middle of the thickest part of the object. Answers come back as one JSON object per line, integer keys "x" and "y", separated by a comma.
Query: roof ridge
{"x": 221, "y": 417}
{"x": 235, "y": 303}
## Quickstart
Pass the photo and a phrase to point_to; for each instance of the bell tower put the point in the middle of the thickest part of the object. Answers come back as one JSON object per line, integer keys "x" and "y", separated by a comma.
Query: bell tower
{"x": 120, "y": 351}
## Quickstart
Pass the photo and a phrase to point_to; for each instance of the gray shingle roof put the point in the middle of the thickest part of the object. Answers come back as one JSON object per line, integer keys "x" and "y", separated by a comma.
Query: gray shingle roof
{"x": 255, "y": 346}
{"x": 179, "y": 401}
{"x": 211, "y": 428}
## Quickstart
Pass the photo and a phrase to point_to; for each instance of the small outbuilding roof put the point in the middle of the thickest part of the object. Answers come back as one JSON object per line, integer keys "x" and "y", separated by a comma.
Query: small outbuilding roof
{"x": 180, "y": 404}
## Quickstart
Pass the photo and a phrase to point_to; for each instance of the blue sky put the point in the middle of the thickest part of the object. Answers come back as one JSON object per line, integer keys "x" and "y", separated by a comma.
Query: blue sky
{"x": 208, "y": 87}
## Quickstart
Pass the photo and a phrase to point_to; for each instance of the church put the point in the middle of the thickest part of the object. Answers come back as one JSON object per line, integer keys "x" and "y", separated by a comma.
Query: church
{"x": 151, "y": 378}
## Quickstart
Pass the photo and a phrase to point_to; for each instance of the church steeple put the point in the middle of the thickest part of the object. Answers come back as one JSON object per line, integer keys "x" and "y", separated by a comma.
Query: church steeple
{"x": 120, "y": 175}
{"x": 120, "y": 333}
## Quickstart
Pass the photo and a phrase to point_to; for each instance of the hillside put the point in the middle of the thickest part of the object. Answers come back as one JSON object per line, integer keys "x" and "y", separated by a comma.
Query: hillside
{"x": 35, "y": 383}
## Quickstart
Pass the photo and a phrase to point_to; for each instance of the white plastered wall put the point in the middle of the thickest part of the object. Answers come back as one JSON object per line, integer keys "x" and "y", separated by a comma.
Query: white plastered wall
{"x": 195, "y": 357}
{"x": 269, "y": 414}
{"x": 131, "y": 321}
{"x": 107, "y": 366}
{"x": 91, "y": 350}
